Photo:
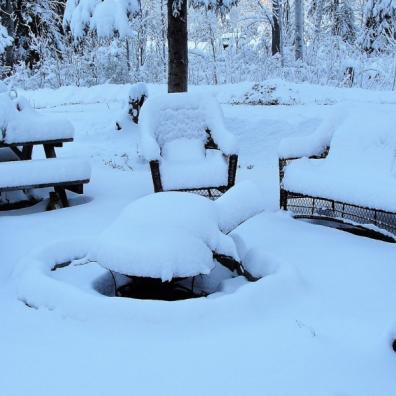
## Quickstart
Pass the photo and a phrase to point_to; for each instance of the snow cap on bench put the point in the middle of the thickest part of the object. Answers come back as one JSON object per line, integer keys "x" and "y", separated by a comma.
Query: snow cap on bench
{"x": 182, "y": 116}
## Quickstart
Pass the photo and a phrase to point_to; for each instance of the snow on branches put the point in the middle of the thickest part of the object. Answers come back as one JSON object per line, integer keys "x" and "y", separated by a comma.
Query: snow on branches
{"x": 107, "y": 17}
{"x": 5, "y": 39}
{"x": 103, "y": 16}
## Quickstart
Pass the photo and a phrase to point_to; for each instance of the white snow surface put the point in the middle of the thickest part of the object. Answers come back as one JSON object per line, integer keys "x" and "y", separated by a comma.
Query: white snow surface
{"x": 193, "y": 172}
{"x": 182, "y": 115}
{"x": 316, "y": 142}
{"x": 43, "y": 171}
{"x": 239, "y": 204}
{"x": 360, "y": 168}
{"x": 21, "y": 123}
{"x": 320, "y": 322}
{"x": 164, "y": 235}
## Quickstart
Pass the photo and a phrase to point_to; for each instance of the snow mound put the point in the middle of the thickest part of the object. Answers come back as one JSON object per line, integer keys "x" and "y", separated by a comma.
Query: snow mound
{"x": 161, "y": 252}
{"x": 268, "y": 93}
{"x": 38, "y": 285}
{"x": 360, "y": 168}
{"x": 164, "y": 235}
{"x": 165, "y": 118}
{"x": 138, "y": 90}
{"x": 240, "y": 203}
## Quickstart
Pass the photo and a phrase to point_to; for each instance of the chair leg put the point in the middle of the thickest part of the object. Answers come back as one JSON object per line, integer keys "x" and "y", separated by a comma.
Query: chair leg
{"x": 283, "y": 199}
{"x": 156, "y": 176}
{"x": 63, "y": 197}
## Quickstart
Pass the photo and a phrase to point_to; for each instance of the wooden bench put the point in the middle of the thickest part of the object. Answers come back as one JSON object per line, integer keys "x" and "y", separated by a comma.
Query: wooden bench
{"x": 61, "y": 174}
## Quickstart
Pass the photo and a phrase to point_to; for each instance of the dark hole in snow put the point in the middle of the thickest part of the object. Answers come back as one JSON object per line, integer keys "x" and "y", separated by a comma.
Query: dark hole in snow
{"x": 394, "y": 345}
{"x": 155, "y": 289}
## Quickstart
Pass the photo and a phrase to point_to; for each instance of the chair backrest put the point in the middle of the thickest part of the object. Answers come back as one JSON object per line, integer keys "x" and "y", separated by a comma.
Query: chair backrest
{"x": 173, "y": 122}
{"x": 366, "y": 141}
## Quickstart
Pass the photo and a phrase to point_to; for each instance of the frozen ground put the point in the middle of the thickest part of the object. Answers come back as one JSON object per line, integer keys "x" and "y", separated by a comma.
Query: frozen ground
{"x": 319, "y": 323}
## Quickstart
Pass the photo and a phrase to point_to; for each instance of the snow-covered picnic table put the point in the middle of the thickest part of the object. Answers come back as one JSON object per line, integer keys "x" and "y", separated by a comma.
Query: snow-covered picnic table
{"x": 22, "y": 129}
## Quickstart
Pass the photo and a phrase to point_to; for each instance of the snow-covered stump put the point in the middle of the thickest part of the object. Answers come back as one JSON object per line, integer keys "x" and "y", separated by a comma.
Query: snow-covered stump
{"x": 185, "y": 141}
{"x": 137, "y": 95}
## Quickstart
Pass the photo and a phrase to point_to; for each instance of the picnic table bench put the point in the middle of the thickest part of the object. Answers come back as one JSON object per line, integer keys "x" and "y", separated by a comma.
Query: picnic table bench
{"x": 25, "y": 130}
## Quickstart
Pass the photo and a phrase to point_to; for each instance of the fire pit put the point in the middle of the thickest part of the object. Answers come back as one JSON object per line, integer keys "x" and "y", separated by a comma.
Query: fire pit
{"x": 161, "y": 243}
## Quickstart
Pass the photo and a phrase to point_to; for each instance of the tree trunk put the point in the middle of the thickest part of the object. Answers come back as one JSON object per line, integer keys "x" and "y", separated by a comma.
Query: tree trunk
{"x": 177, "y": 46}
{"x": 299, "y": 29}
{"x": 7, "y": 13}
{"x": 276, "y": 27}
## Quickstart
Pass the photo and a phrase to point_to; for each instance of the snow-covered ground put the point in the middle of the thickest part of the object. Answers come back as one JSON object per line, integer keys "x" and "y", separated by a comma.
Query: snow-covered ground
{"x": 318, "y": 323}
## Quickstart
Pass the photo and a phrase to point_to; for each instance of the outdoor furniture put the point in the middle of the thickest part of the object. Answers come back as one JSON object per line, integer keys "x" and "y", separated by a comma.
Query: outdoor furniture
{"x": 164, "y": 241}
{"x": 188, "y": 147}
{"x": 351, "y": 181}
{"x": 24, "y": 129}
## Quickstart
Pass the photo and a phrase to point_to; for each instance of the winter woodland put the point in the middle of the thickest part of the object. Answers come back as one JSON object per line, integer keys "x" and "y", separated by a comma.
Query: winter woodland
{"x": 333, "y": 42}
{"x": 197, "y": 197}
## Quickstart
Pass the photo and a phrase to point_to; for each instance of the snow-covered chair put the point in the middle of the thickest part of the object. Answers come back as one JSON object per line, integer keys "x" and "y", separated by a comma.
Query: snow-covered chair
{"x": 137, "y": 95}
{"x": 357, "y": 179}
{"x": 184, "y": 138}
{"x": 315, "y": 145}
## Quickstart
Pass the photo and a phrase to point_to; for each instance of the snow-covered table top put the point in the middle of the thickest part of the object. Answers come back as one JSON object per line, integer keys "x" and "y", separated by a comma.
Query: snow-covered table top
{"x": 20, "y": 123}
{"x": 360, "y": 168}
{"x": 173, "y": 234}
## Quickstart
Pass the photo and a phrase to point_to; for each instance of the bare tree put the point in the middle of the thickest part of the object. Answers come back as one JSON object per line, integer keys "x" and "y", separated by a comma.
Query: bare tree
{"x": 276, "y": 27}
{"x": 299, "y": 29}
{"x": 177, "y": 46}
